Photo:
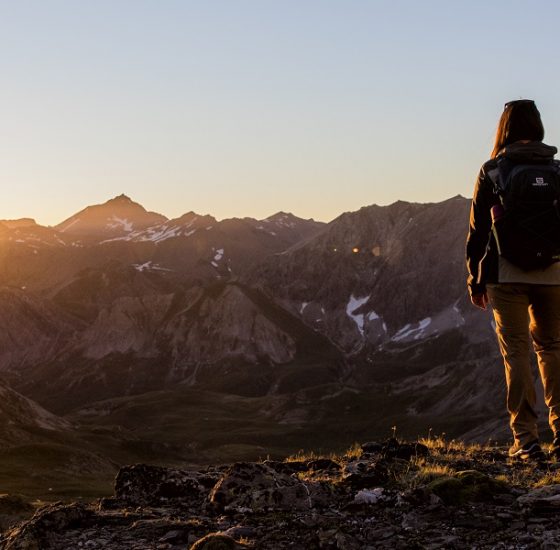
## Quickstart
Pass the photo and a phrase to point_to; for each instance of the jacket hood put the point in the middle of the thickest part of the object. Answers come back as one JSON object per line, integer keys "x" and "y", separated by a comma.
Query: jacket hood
{"x": 530, "y": 151}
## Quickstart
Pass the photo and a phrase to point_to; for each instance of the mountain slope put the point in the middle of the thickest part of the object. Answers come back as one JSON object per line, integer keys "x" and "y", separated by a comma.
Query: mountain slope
{"x": 32, "y": 330}
{"x": 43, "y": 454}
{"x": 371, "y": 273}
{"x": 217, "y": 336}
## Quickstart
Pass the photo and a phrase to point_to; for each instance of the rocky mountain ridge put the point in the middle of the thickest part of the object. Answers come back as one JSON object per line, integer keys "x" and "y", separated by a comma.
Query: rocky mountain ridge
{"x": 430, "y": 494}
{"x": 120, "y": 230}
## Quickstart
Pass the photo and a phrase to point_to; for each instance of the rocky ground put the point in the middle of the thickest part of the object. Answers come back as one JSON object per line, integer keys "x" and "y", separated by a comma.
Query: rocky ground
{"x": 428, "y": 494}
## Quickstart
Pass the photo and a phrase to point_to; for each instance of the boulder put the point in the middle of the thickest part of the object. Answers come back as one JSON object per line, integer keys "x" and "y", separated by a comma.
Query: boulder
{"x": 542, "y": 500}
{"x": 251, "y": 486}
{"x": 448, "y": 488}
{"x": 49, "y": 520}
{"x": 404, "y": 451}
{"x": 365, "y": 474}
{"x": 372, "y": 447}
{"x": 152, "y": 485}
{"x": 467, "y": 485}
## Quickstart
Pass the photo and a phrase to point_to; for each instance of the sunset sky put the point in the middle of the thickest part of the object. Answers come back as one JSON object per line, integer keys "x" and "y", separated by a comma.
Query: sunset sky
{"x": 249, "y": 107}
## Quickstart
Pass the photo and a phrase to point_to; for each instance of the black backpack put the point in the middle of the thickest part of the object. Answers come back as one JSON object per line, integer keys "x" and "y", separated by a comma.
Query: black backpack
{"x": 526, "y": 225}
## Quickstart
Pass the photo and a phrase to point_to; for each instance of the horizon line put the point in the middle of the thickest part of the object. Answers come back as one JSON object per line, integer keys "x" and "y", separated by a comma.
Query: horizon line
{"x": 124, "y": 195}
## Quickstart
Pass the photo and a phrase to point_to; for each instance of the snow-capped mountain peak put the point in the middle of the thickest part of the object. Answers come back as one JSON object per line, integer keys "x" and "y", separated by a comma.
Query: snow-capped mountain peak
{"x": 115, "y": 218}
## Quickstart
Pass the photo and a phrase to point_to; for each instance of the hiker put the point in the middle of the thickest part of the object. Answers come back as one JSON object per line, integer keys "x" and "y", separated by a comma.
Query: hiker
{"x": 518, "y": 278}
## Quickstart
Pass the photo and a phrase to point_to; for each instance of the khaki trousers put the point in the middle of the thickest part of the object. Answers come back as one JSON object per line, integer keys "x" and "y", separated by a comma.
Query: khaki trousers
{"x": 523, "y": 312}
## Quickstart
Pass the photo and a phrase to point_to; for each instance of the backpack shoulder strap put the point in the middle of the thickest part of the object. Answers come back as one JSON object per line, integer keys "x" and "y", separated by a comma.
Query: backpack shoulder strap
{"x": 505, "y": 167}
{"x": 494, "y": 176}
{"x": 498, "y": 175}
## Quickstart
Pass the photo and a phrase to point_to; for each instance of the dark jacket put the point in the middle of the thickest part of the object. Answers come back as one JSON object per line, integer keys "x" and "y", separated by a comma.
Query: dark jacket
{"x": 482, "y": 253}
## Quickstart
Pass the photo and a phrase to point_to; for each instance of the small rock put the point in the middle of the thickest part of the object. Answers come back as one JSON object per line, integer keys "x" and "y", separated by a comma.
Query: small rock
{"x": 346, "y": 542}
{"x": 241, "y": 532}
{"x": 549, "y": 495}
{"x": 380, "y": 533}
{"x": 503, "y": 515}
{"x": 537, "y": 520}
{"x": 369, "y": 496}
{"x": 326, "y": 535}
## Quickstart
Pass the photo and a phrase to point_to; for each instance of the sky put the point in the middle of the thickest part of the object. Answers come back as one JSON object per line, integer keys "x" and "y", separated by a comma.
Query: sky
{"x": 248, "y": 107}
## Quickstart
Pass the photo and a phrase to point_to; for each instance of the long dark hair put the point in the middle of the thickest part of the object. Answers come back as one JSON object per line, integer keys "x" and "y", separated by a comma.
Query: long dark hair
{"x": 520, "y": 120}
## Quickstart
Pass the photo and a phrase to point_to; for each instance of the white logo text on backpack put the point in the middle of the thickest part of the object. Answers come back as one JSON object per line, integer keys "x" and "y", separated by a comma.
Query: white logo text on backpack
{"x": 539, "y": 182}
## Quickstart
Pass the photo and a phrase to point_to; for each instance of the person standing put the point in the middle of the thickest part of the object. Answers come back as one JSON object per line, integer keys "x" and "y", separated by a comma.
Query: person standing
{"x": 525, "y": 301}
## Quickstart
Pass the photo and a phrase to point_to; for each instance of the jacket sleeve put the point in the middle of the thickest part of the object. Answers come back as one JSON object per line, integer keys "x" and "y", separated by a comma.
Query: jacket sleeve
{"x": 480, "y": 226}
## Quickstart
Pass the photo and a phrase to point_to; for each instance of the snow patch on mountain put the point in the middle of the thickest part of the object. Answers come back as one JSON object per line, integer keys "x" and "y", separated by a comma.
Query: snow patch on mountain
{"x": 149, "y": 266}
{"x": 354, "y": 303}
{"x": 118, "y": 223}
{"x": 282, "y": 220}
{"x": 219, "y": 254}
{"x": 155, "y": 234}
{"x": 412, "y": 331}
{"x": 262, "y": 228}
{"x": 447, "y": 319}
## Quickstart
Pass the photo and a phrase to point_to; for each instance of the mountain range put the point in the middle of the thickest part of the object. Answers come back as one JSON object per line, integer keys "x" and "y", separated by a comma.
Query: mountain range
{"x": 202, "y": 340}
